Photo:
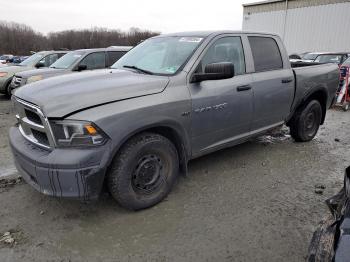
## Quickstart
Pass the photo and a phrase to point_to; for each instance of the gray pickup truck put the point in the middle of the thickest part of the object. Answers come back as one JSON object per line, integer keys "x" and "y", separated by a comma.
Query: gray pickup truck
{"x": 172, "y": 98}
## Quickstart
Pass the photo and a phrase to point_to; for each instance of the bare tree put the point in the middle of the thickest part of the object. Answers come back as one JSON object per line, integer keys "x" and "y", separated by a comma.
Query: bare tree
{"x": 20, "y": 39}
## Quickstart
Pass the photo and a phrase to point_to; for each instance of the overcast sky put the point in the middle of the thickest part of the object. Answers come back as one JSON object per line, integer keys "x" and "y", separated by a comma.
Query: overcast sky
{"x": 158, "y": 15}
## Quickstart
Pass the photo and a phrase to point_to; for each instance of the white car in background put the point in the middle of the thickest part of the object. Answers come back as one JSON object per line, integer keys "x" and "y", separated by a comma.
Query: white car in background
{"x": 307, "y": 57}
{"x": 310, "y": 57}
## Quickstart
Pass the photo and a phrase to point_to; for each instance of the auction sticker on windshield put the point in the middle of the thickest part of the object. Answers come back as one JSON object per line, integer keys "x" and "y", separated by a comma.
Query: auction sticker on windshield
{"x": 190, "y": 39}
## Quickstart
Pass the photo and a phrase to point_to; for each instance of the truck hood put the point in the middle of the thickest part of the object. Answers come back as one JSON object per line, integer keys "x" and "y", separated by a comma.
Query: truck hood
{"x": 44, "y": 72}
{"x": 64, "y": 95}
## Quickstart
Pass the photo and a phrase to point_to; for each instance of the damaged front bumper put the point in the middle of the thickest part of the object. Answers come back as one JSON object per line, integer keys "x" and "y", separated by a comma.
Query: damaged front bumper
{"x": 331, "y": 241}
{"x": 72, "y": 173}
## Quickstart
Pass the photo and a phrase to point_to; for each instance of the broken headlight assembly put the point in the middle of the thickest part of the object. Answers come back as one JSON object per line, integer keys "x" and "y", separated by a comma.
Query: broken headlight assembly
{"x": 74, "y": 133}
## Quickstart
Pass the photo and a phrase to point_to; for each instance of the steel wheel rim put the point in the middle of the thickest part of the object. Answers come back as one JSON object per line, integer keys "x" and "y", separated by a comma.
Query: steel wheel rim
{"x": 148, "y": 174}
{"x": 311, "y": 122}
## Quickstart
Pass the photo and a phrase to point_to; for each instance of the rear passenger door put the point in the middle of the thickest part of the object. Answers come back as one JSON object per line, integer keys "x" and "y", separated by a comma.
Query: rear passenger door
{"x": 273, "y": 83}
{"x": 113, "y": 56}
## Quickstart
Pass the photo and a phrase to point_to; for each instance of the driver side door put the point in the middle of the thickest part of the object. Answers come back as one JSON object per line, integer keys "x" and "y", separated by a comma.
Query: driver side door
{"x": 222, "y": 110}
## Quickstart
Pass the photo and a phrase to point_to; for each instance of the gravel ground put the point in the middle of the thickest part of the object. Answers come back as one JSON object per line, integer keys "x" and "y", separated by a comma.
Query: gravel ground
{"x": 253, "y": 202}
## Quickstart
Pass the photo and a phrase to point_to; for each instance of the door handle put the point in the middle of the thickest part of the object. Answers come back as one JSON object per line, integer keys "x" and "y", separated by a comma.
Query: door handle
{"x": 243, "y": 88}
{"x": 286, "y": 81}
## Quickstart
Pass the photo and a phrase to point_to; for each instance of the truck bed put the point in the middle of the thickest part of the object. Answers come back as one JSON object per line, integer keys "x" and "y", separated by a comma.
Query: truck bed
{"x": 303, "y": 64}
{"x": 313, "y": 76}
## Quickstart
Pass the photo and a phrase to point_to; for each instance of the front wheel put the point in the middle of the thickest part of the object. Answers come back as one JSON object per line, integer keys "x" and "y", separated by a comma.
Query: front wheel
{"x": 8, "y": 91}
{"x": 144, "y": 171}
{"x": 306, "y": 122}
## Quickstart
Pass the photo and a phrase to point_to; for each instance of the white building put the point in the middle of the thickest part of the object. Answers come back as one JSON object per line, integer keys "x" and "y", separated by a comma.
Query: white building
{"x": 304, "y": 25}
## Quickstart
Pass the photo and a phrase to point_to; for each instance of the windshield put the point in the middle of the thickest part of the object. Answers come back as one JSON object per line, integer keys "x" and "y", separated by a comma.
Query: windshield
{"x": 68, "y": 60}
{"x": 32, "y": 60}
{"x": 310, "y": 56}
{"x": 161, "y": 55}
{"x": 329, "y": 59}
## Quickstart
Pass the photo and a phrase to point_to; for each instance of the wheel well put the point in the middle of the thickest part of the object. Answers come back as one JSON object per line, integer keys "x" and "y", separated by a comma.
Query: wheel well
{"x": 321, "y": 97}
{"x": 6, "y": 85}
{"x": 174, "y": 137}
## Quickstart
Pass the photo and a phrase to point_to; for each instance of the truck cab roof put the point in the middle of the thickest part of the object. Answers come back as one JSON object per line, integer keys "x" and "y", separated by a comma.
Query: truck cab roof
{"x": 214, "y": 33}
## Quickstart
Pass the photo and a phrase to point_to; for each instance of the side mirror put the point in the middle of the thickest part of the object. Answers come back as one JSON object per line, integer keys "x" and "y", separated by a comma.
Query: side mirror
{"x": 215, "y": 71}
{"x": 81, "y": 67}
{"x": 39, "y": 65}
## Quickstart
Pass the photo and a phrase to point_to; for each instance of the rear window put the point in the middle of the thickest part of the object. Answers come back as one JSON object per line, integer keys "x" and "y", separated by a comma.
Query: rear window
{"x": 266, "y": 53}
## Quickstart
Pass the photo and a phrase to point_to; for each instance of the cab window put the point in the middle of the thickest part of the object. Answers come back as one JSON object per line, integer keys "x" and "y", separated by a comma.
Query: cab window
{"x": 266, "y": 53}
{"x": 226, "y": 49}
{"x": 113, "y": 56}
{"x": 49, "y": 60}
{"x": 94, "y": 61}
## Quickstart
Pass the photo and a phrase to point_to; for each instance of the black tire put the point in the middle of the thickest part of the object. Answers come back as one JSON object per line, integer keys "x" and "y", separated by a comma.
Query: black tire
{"x": 8, "y": 90}
{"x": 306, "y": 122}
{"x": 143, "y": 172}
{"x": 346, "y": 106}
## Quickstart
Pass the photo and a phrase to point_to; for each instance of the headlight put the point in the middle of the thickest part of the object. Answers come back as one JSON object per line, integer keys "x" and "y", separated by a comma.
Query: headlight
{"x": 3, "y": 74}
{"x": 34, "y": 79}
{"x": 71, "y": 133}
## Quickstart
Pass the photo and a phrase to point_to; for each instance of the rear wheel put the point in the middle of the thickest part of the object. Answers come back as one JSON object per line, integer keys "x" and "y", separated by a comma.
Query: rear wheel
{"x": 144, "y": 171}
{"x": 306, "y": 122}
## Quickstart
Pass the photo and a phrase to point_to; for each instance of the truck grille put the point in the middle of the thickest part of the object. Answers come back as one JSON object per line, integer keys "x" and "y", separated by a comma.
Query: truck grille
{"x": 33, "y": 124}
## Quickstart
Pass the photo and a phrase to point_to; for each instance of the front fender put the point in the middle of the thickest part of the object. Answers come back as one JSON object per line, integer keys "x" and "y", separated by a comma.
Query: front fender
{"x": 124, "y": 119}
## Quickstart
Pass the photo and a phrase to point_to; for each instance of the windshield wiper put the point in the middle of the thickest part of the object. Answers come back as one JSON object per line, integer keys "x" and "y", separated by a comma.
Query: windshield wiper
{"x": 139, "y": 69}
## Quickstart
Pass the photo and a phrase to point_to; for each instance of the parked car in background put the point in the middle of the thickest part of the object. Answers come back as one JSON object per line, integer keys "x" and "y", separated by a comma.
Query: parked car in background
{"x": 5, "y": 58}
{"x": 18, "y": 59}
{"x": 117, "y": 46}
{"x": 75, "y": 61}
{"x": 310, "y": 57}
{"x": 22, "y": 58}
{"x": 297, "y": 57}
{"x": 38, "y": 60}
{"x": 173, "y": 98}
{"x": 346, "y": 62}
{"x": 335, "y": 58}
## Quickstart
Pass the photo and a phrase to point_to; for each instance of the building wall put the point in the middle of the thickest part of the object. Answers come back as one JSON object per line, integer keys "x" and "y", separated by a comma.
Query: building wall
{"x": 309, "y": 28}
